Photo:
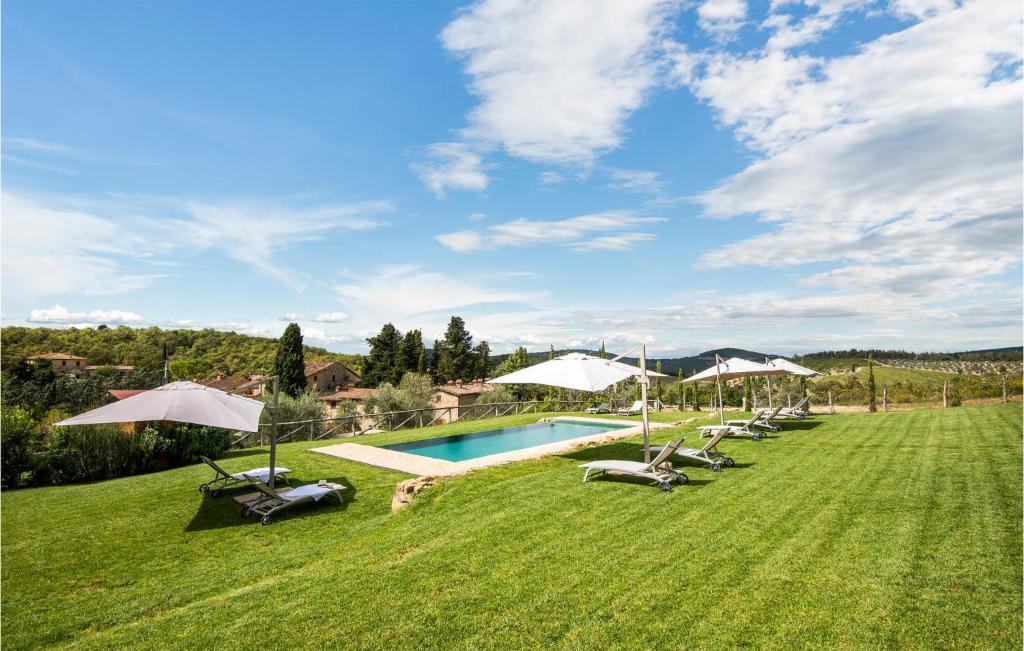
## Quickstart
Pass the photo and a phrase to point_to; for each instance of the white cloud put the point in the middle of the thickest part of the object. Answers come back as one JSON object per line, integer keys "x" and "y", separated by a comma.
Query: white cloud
{"x": 184, "y": 323}
{"x": 330, "y": 317}
{"x": 477, "y": 217}
{"x": 451, "y": 165}
{"x": 557, "y": 80}
{"x": 901, "y": 162}
{"x": 53, "y": 248}
{"x": 607, "y": 230}
{"x": 551, "y": 177}
{"x": 635, "y": 180}
{"x": 291, "y": 317}
{"x": 721, "y": 17}
{"x": 58, "y": 314}
{"x": 401, "y": 291}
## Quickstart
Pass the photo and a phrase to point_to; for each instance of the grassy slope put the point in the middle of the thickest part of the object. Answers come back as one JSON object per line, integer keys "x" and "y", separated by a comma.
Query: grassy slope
{"x": 899, "y": 529}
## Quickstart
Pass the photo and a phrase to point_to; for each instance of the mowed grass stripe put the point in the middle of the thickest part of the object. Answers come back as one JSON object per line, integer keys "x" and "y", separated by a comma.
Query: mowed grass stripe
{"x": 864, "y": 530}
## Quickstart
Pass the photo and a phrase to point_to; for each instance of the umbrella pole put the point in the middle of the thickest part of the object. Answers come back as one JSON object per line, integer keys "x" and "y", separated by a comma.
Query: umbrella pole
{"x": 643, "y": 409}
{"x": 718, "y": 381}
{"x": 273, "y": 433}
{"x": 769, "y": 391}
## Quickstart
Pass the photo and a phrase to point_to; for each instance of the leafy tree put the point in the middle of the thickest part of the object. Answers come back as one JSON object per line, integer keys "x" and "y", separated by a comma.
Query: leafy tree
{"x": 289, "y": 364}
{"x": 383, "y": 363}
{"x": 409, "y": 351}
{"x": 483, "y": 360}
{"x": 17, "y": 432}
{"x": 872, "y": 404}
{"x": 414, "y": 392}
{"x": 518, "y": 360}
{"x": 455, "y": 360}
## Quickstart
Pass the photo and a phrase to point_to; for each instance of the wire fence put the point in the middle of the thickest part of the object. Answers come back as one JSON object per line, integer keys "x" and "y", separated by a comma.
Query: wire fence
{"x": 360, "y": 424}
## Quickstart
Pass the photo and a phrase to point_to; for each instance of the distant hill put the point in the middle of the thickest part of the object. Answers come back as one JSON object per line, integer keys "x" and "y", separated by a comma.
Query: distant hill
{"x": 192, "y": 353}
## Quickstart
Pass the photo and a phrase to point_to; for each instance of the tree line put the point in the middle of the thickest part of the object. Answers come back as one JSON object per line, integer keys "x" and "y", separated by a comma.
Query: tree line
{"x": 391, "y": 355}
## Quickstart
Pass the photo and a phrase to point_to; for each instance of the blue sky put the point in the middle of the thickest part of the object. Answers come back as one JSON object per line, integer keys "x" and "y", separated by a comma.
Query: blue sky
{"x": 790, "y": 177}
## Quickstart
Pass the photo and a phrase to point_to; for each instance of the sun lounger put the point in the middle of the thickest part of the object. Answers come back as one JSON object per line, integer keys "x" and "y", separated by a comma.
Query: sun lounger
{"x": 707, "y": 454}
{"x": 603, "y": 408}
{"x": 761, "y": 420}
{"x": 272, "y": 502}
{"x": 636, "y": 408}
{"x": 224, "y": 479}
{"x": 654, "y": 470}
{"x": 798, "y": 411}
{"x": 739, "y": 429}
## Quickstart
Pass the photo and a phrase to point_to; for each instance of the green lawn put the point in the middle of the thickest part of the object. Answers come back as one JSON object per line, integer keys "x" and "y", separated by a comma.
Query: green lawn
{"x": 864, "y": 530}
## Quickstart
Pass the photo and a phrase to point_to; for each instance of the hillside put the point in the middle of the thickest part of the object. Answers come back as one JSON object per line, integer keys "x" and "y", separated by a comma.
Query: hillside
{"x": 192, "y": 353}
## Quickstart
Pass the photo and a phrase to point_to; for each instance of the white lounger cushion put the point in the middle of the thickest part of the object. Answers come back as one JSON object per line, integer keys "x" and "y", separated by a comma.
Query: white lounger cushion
{"x": 263, "y": 474}
{"x": 309, "y": 490}
{"x": 614, "y": 465}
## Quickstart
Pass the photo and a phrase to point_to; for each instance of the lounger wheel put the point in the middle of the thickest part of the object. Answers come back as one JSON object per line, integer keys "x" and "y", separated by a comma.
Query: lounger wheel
{"x": 683, "y": 479}
{"x": 203, "y": 488}
{"x": 729, "y": 463}
{"x": 665, "y": 487}
{"x": 245, "y": 511}
{"x": 266, "y": 520}
{"x": 716, "y": 467}
{"x": 216, "y": 492}
{"x": 755, "y": 437}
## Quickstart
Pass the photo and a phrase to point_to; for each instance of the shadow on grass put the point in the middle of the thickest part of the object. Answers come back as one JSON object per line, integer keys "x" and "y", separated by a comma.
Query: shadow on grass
{"x": 640, "y": 481}
{"x": 799, "y": 425}
{"x": 223, "y": 512}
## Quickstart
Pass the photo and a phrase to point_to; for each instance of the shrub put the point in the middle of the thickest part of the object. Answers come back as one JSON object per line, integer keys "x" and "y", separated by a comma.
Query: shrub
{"x": 93, "y": 452}
{"x": 18, "y": 432}
{"x": 307, "y": 406}
{"x": 498, "y": 394}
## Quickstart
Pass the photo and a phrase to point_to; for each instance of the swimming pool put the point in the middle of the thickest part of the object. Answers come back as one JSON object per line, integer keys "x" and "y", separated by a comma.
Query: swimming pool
{"x": 462, "y": 447}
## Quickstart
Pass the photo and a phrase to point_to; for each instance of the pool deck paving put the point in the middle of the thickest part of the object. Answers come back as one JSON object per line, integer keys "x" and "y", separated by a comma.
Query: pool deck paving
{"x": 415, "y": 464}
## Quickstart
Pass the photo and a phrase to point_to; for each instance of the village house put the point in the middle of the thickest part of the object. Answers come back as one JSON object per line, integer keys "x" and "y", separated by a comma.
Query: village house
{"x": 326, "y": 377}
{"x": 357, "y": 395}
{"x": 64, "y": 363}
{"x": 459, "y": 396}
{"x": 229, "y": 383}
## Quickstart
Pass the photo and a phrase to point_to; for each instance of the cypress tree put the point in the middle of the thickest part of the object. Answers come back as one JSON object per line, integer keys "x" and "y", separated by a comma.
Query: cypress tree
{"x": 421, "y": 364}
{"x": 455, "y": 359}
{"x": 872, "y": 406}
{"x": 551, "y": 353}
{"x": 382, "y": 363}
{"x": 289, "y": 364}
{"x": 409, "y": 351}
{"x": 482, "y": 352}
{"x": 696, "y": 396}
{"x": 600, "y": 352}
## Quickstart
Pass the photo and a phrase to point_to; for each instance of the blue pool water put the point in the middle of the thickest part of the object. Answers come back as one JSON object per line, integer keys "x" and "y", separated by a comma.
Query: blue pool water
{"x": 480, "y": 444}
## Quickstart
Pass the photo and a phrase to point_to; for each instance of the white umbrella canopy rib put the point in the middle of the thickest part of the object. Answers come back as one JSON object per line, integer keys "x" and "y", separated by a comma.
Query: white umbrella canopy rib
{"x": 182, "y": 402}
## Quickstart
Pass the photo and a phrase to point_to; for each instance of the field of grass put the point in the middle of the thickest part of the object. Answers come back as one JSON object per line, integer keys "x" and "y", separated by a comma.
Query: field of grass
{"x": 865, "y": 530}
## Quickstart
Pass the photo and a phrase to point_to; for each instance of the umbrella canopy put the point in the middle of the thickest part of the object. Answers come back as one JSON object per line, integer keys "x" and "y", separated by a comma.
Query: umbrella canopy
{"x": 733, "y": 368}
{"x": 793, "y": 369}
{"x": 183, "y": 402}
{"x": 574, "y": 371}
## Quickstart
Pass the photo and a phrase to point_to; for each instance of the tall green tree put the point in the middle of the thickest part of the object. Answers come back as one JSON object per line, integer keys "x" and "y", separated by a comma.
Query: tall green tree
{"x": 409, "y": 351}
{"x": 748, "y": 393}
{"x": 696, "y": 396}
{"x": 872, "y": 401}
{"x": 657, "y": 369}
{"x": 600, "y": 351}
{"x": 455, "y": 360}
{"x": 421, "y": 363}
{"x": 482, "y": 352}
{"x": 382, "y": 363}
{"x": 518, "y": 360}
{"x": 551, "y": 352}
{"x": 289, "y": 363}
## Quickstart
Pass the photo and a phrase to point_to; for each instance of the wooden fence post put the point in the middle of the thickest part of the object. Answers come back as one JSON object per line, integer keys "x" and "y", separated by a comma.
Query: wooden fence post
{"x": 831, "y": 409}
{"x": 945, "y": 399}
{"x": 789, "y": 399}
{"x": 885, "y": 402}
{"x": 1005, "y": 398}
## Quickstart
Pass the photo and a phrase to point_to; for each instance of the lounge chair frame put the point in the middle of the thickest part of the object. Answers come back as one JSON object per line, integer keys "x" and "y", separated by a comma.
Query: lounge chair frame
{"x": 275, "y": 501}
{"x": 225, "y": 479}
{"x": 707, "y": 454}
{"x": 654, "y": 470}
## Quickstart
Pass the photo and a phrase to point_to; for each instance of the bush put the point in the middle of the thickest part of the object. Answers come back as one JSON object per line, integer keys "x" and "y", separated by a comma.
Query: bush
{"x": 19, "y": 434}
{"x": 498, "y": 394}
{"x": 308, "y": 406}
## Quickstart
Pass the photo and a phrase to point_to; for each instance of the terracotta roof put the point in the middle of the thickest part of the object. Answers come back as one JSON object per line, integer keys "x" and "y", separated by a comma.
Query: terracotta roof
{"x": 351, "y": 393}
{"x": 121, "y": 394}
{"x": 467, "y": 389}
{"x": 52, "y": 356}
{"x": 316, "y": 367}
{"x": 227, "y": 382}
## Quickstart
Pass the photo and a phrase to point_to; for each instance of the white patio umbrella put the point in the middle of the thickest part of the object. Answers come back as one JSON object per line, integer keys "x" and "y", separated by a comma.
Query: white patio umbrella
{"x": 587, "y": 373}
{"x": 731, "y": 369}
{"x": 182, "y": 402}
{"x": 792, "y": 368}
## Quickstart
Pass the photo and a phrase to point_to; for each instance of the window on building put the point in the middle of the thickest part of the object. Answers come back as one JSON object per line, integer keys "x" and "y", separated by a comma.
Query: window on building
{"x": 63, "y": 362}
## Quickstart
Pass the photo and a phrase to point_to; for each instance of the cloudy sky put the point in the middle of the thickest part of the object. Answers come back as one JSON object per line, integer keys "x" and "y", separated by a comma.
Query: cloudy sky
{"x": 792, "y": 176}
